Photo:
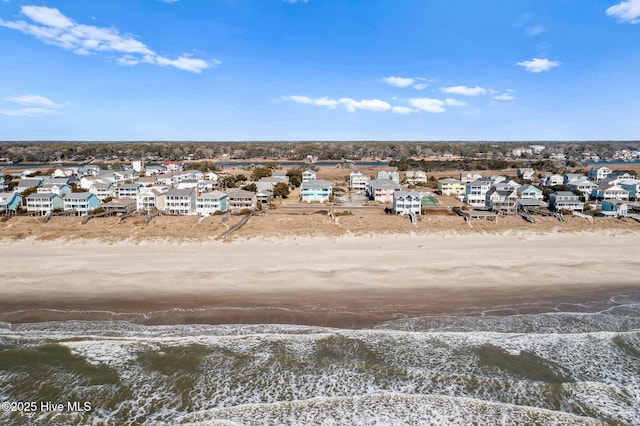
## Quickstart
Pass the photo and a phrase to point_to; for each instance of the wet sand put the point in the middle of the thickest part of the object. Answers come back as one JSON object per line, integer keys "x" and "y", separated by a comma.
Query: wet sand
{"x": 346, "y": 281}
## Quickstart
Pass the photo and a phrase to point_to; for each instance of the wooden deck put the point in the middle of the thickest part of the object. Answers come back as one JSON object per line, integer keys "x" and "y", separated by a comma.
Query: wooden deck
{"x": 477, "y": 215}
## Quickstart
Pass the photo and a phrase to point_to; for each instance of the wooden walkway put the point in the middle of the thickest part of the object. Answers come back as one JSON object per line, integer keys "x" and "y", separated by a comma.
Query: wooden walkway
{"x": 477, "y": 215}
{"x": 235, "y": 227}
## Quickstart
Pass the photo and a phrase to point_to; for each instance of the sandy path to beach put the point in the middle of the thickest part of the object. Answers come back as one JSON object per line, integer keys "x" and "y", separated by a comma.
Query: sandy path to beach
{"x": 376, "y": 275}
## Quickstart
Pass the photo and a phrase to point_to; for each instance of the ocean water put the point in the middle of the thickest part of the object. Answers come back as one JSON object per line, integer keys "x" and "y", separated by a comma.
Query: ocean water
{"x": 572, "y": 365}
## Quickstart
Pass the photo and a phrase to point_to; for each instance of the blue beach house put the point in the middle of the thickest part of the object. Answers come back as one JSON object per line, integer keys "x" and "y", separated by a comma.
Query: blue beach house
{"x": 9, "y": 202}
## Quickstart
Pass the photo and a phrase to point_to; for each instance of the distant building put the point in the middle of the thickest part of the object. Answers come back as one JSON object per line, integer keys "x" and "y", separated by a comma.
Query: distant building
{"x": 88, "y": 170}
{"x": 392, "y": 175}
{"x": 382, "y": 190}
{"x": 610, "y": 192}
{"x": 173, "y": 166}
{"x": 103, "y": 190}
{"x": 467, "y": 177}
{"x": 264, "y": 196}
{"x": 308, "y": 176}
{"x": 476, "y": 192}
{"x": 10, "y": 202}
{"x": 504, "y": 201}
{"x": 154, "y": 170}
{"x": 565, "y": 200}
{"x": 180, "y": 201}
{"x": 268, "y": 183}
{"x": 526, "y": 173}
{"x": 281, "y": 176}
{"x": 137, "y": 166}
{"x": 413, "y": 177}
{"x": 518, "y": 152}
{"x": 129, "y": 190}
{"x": 633, "y": 186}
{"x": 44, "y": 204}
{"x": 121, "y": 206}
{"x": 406, "y": 202}
{"x": 240, "y": 200}
{"x": 150, "y": 198}
{"x": 597, "y": 174}
{"x": 58, "y": 189}
{"x": 358, "y": 181}
{"x": 585, "y": 186}
{"x": 211, "y": 202}
{"x": 573, "y": 177}
{"x": 81, "y": 202}
{"x": 618, "y": 207}
{"x": 529, "y": 192}
{"x": 25, "y": 184}
{"x": 452, "y": 187}
{"x": 316, "y": 191}
{"x": 552, "y": 180}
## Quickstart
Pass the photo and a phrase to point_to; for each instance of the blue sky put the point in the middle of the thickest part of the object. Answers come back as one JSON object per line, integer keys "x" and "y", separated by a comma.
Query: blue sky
{"x": 219, "y": 70}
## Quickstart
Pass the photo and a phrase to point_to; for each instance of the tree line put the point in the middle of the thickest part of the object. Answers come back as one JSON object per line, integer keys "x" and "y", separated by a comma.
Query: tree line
{"x": 43, "y": 152}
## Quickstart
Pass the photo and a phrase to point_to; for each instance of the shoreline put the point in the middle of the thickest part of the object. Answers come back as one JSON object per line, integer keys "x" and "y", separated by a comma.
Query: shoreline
{"x": 347, "y": 281}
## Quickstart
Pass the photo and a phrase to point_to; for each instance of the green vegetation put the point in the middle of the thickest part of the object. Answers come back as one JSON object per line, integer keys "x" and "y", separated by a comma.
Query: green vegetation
{"x": 295, "y": 177}
{"x": 28, "y": 192}
{"x": 203, "y": 166}
{"x": 251, "y": 187}
{"x": 260, "y": 172}
{"x": 122, "y": 152}
{"x": 281, "y": 190}
{"x": 444, "y": 165}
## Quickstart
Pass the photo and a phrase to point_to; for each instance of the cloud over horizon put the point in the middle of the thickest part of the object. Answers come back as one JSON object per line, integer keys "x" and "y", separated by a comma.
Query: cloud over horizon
{"x": 537, "y": 65}
{"x": 464, "y": 90}
{"x": 405, "y": 82}
{"x": 52, "y": 27}
{"x": 37, "y": 105}
{"x": 428, "y": 104}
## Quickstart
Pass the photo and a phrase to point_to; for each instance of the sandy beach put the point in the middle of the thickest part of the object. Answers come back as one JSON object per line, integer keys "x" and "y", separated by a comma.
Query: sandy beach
{"x": 345, "y": 281}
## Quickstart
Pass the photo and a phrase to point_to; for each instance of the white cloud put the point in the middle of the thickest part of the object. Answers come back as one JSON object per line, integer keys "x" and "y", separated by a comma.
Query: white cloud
{"x": 324, "y": 101}
{"x": 626, "y": 11}
{"x": 183, "y": 63}
{"x": 349, "y": 104}
{"x": 428, "y": 104}
{"x": 504, "y": 97}
{"x": 454, "y": 102}
{"x": 406, "y": 82}
{"x": 37, "y": 105}
{"x": 399, "y": 81}
{"x": 47, "y": 16}
{"x": 538, "y": 65}
{"x": 52, "y": 27}
{"x": 366, "y": 104}
{"x": 535, "y": 30}
{"x": 403, "y": 110}
{"x": 37, "y": 100}
{"x": 29, "y": 112}
{"x": 464, "y": 90}
{"x": 127, "y": 60}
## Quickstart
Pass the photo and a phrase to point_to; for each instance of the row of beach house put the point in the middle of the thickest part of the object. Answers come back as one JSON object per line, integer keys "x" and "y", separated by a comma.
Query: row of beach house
{"x": 165, "y": 187}
{"x": 500, "y": 194}
{"x": 169, "y": 188}
{"x": 612, "y": 189}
